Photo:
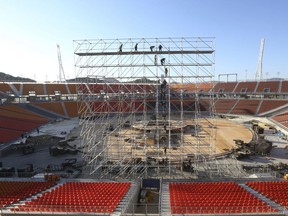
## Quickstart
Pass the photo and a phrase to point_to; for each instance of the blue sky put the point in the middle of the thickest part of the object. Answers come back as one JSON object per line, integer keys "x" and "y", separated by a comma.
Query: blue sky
{"x": 30, "y": 30}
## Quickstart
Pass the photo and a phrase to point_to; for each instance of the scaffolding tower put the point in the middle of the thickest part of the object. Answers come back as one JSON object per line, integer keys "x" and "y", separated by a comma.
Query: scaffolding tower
{"x": 142, "y": 108}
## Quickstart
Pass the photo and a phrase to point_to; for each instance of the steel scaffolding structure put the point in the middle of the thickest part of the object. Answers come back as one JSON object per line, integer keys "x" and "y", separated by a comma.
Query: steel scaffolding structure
{"x": 140, "y": 106}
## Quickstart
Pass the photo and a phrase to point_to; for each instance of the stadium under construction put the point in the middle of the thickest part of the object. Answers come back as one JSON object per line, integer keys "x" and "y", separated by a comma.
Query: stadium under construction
{"x": 144, "y": 129}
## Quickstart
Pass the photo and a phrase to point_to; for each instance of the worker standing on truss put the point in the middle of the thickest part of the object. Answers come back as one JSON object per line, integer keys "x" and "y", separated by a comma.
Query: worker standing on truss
{"x": 120, "y": 48}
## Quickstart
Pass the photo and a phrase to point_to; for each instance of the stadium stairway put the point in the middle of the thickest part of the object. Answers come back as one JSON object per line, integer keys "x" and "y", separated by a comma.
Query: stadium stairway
{"x": 258, "y": 108}
{"x": 15, "y": 91}
{"x": 124, "y": 203}
{"x": 46, "y": 113}
{"x": 235, "y": 104}
{"x": 280, "y": 86}
{"x": 263, "y": 198}
{"x": 165, "y": 199}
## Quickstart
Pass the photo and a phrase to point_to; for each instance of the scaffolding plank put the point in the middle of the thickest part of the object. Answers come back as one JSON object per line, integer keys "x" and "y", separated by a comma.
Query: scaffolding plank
{"x": 145, "y": 52}
{"x": 151, "y": 77}
{"x": 146, "y": 65}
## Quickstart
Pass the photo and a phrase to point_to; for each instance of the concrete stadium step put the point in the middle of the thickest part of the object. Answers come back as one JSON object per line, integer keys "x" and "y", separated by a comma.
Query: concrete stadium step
{"x": 165, "y": 199}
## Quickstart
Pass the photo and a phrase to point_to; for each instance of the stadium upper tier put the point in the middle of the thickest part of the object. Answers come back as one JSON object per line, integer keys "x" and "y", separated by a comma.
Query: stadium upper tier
{"x": 41, "y": 102}
{"x": 241, "y": 87}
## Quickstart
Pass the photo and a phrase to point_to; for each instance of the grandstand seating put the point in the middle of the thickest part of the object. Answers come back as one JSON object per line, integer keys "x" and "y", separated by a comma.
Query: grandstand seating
{"x": 117, "y": 106}
{"x": 17, "y": 124}
{"x": 72, "y": 88}
{"x": 115, "y": 88}
{"x": 271, "y": 104}
{"x": 282, "y": 118}
{"x": 177, "y": 87}
{"x": 250, "y": 87}
{"x": 268, "y": 87}
{"x": 4, "y": 87}
{"x": 15, "y": 120}
{"x": 18, "y": 112}
{"x": 54, "y": 106}
{"x": 224, "y": 105}
{"x": 14, "y": 191}
{"x": 225, "y": 87}
{"x": 89, "y": 88}
{"x": 284, "y": 87}
{"x": 214, "y": 198}
{"x": 79, "y": 197}
{"x": 204, "y": 104}
{"x": 191, "y": 87}
{"x": 188, "y": 104}
{"x": 64, "y": 108}
{"x": 51, "y": 88}
{"x": 71, "y": 108}
{"x": 8, "y": 135}
{"x": 205, "y": 87}
{"x": 276, "y": 191}
{"x": 246, "y": 87}
{"x": 237, "y": 105}
{"x": 17, "y": 86}
{"x": 36, "y": 87}
{"x": 246, "y": 107}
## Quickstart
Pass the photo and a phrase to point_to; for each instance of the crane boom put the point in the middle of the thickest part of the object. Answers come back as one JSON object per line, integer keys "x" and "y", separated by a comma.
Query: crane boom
{"x": 259, "y": 73}
{"x": 61, "y": 70}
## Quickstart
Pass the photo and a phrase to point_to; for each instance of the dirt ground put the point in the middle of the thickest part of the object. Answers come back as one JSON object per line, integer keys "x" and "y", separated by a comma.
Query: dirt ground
{"x": 216, "y": 136}
{"x": 227, "y": 131}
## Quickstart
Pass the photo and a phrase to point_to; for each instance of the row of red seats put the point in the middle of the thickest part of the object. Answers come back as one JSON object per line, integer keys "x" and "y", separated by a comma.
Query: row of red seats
{"x": 221, "y": 210}
{"x": 58, "y": 208}
{"x": 276, "y": 191}
{"x": 14, "y": 191}
{"x": 79, "y": 197}
{"x": 213, "y": 197}
{"x": 208, "y": 195}
{"x": 84, "y": 193}
{"x": 235, "y": 202}
{"x": 76, "y": 202}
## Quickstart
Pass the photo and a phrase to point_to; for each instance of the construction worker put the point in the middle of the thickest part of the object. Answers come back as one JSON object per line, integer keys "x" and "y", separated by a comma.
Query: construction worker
{"x": 162, "y": 61}
{"x": 136, "y": 47}
{"x": 151, "y": 48}
{"x": 160, "y": 48}
{"x": 163, "y": 84}
{"x": 165, "y": 149}
{"x": 120, "y": 48}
